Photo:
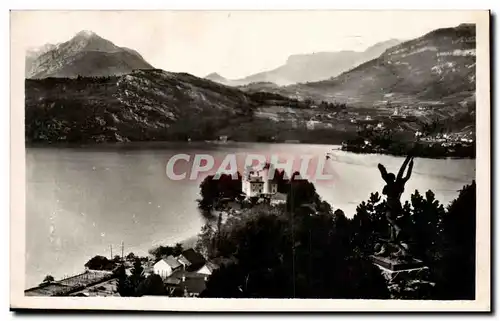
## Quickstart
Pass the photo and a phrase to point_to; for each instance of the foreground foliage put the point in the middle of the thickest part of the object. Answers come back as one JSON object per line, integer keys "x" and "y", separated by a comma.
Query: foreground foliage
{"x": 304, "y": 250}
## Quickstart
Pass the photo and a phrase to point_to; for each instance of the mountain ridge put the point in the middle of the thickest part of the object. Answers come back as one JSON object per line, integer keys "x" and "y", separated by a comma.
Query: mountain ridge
{"x": 146, "y": 104}
{"x": 301, "y": 68}
{"x": 437, "y": 66}
{"x": 437, "y": 61}
{"x": 86, "y": 54}
{"x": 434, "y": 75}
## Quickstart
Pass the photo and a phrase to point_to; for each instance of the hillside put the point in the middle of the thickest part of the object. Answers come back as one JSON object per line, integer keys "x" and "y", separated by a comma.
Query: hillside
{"x": 311, "y": 67}
{"x": 437, "y": 68}
{"x": 33, "y": 53}
{"x": 145, "y": 105}
{"x": 86, "y": 54}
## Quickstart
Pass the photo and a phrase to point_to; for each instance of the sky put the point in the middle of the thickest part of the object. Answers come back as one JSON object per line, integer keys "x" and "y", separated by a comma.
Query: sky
{"x": 234, "y": 44}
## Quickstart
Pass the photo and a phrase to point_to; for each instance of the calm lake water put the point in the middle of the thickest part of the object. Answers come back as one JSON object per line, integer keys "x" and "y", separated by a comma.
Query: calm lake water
{"x": 85, "y": 201}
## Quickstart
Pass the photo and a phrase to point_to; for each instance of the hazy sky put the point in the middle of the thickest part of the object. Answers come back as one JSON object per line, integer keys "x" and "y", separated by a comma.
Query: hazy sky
{"x": 234, "y": 44}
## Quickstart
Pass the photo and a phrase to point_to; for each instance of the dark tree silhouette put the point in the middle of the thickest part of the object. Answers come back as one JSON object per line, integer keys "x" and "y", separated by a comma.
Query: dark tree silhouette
{"x": 178, "y": 248}
{"x": 162, "y": 251}
{"x": 455, "y": 268}
{"x": 152, "y": 285}
{"x": 213, "y": 191}
{"x": 307, "y": 258}
{"x": 48, "y": 279}
{"x": 100, "y": 262}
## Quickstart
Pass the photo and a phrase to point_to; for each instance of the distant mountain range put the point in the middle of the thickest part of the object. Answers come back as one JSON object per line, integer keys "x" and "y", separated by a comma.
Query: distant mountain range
{"x": 437, "y": 68}
{"x": 310, "y": 67}
{"x": 135, "y": 102}
{"x": 86, "y": 54}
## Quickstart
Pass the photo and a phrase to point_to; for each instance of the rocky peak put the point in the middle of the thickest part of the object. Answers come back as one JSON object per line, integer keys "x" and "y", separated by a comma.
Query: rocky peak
{"x": 86, "y": 34}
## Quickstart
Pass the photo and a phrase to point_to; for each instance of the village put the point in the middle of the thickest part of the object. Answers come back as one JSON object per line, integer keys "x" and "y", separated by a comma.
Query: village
{"x": 182, "y": 275}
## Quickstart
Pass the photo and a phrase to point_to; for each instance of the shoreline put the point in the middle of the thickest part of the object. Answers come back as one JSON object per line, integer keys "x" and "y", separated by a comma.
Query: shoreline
{"x": 160, "y": 145}
{"x": 416, "y": 149}
{"x": 403, "y": 155}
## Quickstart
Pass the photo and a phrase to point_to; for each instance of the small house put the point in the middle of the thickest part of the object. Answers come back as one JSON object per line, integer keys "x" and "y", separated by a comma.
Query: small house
{"x": 191, "y": 260}
{"x": 208, "y": 268}
{"x": 186, "y": 284}
{"x": 166, "y": 266}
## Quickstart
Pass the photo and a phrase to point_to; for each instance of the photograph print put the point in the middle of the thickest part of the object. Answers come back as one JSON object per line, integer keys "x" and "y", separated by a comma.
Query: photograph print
{"x": 318, "y": 156}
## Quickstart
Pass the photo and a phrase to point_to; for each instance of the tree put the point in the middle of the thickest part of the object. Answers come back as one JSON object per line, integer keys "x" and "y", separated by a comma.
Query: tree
{"x": 426, "y": 216}
{"x": 48, "y": 279}
{"x": 132, "y": 282}
{"x": 178, "y": 248}
{"x": 131, "y": 257}
{"x": 125, "y": 287}
{"x": 277, "y": 257}
{"x": 152, "y": 285}
{"x": 443, "y": 239}
{"x": 100, "y": 262}
{"x": 225, "y": 283}
{"x": 301, "y": 192}
{"x": 206, "y": 240}
{"x": 161, "y": 251}
{"x": 213, "y": 191}
{"x": 455, "y": 267}
{"x": 137, "y": 270}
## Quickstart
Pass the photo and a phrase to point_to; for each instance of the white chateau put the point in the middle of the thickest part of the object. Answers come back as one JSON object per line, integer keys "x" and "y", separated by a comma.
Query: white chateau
{"x": 258, "y": 183}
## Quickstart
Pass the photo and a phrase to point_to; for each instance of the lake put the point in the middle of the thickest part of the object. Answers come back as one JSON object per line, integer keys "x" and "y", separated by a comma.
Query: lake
{"x": 85, "y": 201}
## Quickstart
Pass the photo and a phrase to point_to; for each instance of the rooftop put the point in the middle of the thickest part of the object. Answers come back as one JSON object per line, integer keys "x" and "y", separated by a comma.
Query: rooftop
{"x": 193, "y": 282}
{"x": 172, "y": 261}
{"x": 211, "y": 266}
{"x": 191, "y": 258}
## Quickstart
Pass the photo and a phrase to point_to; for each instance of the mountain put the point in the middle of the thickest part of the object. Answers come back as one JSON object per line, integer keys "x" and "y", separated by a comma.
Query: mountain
{"x": 433, "y": 67}
{"x": 312, "y": 67}
{"x": 143, "y": 105}
{"x": 215, "y": 77}
{"x": 33, "y": 53}
{"x": 437, "y": 68}
{"x": 86, "y": 54}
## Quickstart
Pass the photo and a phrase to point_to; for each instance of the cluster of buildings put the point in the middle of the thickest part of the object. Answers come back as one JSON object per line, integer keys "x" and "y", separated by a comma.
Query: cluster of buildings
{"x": 260, "y": 184}
{"x": 449, "y": 139}
{"x": 186, "y": 274}
{"x": 183, "y": 275}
